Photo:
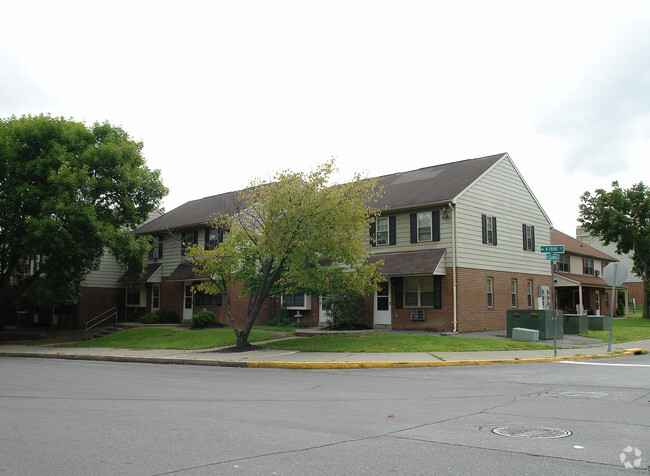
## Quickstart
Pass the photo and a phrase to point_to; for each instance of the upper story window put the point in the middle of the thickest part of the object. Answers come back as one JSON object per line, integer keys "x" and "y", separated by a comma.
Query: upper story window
{"x": 383, "y": 231}
{"x": 489, "y": 229}
{"x": 188, "y": 238}
{"x": 528, "y": 232}
{"x": 563, "y": 264}
{"x": 213, "y": 236}
{"x": 156, "y": 247}
{"x": 587, "y": 266}
{"x": 425, "y": 226}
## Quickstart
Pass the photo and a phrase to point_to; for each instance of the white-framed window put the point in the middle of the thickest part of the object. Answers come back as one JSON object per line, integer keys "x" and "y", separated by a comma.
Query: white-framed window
{"x": 563, "y": 263}
{"x": 382, "y": 231}
{"x": 188, "y": 238}
{"x": 513, "y": 292}
{"x": 588, "y": 266}
{"x": 489, "y": 229}
{"x": 156, "y": 251}
{"x": 423, "y": 291}
{"x": 490, "y": 292}
{"x": 424, "y": 226}
{"x": 155, "y": 297}
{"x": 528, "y": 232}
{"x": 529, "y": 292}
{"x": 213, "y": 237}
{"x": 296, "y": 301}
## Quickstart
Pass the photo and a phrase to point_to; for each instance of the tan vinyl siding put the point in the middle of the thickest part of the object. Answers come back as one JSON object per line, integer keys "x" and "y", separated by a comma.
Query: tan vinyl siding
{"x": 403, "y": 234}
{"x": 106, "y": 276}
{"x": 501, "y": 193}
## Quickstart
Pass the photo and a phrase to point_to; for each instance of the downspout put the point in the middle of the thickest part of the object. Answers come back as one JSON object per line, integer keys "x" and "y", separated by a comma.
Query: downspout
{"x": 453, "y": 263}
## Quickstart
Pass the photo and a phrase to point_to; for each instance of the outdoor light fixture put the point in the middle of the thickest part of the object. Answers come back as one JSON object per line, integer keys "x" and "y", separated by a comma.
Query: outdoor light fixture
{"x": 445, "y": 212}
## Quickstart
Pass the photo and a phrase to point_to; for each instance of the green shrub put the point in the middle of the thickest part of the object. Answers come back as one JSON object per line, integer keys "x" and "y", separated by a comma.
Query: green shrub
{"x": 344, "y": 311}
{"x": 168, "y": 316}
{"x": 203, "y": 319}
{"x": 150, "y": 318}
{"x": 284, "y": 320}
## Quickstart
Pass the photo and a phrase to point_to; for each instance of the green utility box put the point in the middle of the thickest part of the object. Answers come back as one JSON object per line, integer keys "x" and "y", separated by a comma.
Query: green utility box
{"x": 596, "y": 323}
{"x": 540, "y": 319}
{"x": 575, "y": 324}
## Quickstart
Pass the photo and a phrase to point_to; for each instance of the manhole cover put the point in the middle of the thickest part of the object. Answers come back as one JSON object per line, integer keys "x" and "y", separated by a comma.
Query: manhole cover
{"x": 584, "y": 394}
{"x": 531, "y": 432}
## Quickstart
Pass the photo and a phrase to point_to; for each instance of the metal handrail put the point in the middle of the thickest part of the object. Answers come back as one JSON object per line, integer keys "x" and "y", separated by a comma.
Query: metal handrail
{"x": 104, "y": 316}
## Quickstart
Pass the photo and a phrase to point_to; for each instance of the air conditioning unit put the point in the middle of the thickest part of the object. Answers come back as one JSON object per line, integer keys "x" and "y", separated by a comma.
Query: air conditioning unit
{"x": 597, "y": 273}
{"x": 417, "y": 314}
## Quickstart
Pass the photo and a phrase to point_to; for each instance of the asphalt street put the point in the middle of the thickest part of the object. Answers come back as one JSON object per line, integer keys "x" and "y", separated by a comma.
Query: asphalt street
{"x": 76, "y": 417}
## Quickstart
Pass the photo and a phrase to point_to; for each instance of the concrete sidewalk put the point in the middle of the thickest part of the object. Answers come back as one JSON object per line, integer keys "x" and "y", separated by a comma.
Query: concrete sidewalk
{"x": 268, "y": 358}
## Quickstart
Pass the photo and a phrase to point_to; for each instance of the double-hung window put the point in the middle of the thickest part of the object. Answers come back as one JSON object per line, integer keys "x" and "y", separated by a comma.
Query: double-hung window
{"x": 529, "y": 292}
{"x": 156, "y": 247}
{"x": 155, "y": 297}
{"x": 588, "y": 266}
{"x": 188, "y": 239}
{"x": 425, "y": 226}
{"x": 489, "y": 229}
{"x": 213, "y": 237}
{"x": 490, "y": 292}
{"x": 423, "y": 291}
{"x": 383, "y": 231}
{"x": 563, "y": 263}
{"x": 528, "y": 232}
{"x": 383, "y": 227}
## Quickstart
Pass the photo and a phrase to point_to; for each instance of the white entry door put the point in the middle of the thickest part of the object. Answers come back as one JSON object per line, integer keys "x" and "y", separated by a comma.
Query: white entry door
{"x": 188, "y": 303}
{"x": 323, "y": 316}
{"x": 382, "y": 305}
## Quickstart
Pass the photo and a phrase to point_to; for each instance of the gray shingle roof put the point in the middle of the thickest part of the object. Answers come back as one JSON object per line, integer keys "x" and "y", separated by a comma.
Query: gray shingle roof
{"x": 427, "y": 185}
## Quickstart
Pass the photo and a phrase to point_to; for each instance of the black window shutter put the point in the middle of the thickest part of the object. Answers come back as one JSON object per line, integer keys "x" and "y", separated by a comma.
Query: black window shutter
{"x": 532, "y": 237}
{"x": 160, "y": 246}
{"x": 373, "y": 240}
{"x": 494, "y": 231}
{"x": 392, "y": 230}
{"x": 523, "y": 232}
{"x": 183, "y": 238}
{"x": 206, "y": 240}
{"x": 484, "y": 227}
{"x": 436, "y": 225}
{"x": 398, "y": 285}
{"x": 414, "y": 228}
{"x": 437, "y": 292}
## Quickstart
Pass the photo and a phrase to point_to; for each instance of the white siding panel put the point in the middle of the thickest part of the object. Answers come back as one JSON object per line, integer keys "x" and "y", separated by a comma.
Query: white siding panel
{"x": 501, "y": 193}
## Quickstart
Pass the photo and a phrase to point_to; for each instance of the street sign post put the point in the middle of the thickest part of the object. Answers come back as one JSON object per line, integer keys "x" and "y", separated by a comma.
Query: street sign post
{"x": 614, "y": 275}
{"x": 553, "y": 253}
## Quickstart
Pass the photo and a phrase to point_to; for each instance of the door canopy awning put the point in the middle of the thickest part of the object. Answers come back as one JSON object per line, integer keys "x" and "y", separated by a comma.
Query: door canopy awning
{"x": 409, "y": 263}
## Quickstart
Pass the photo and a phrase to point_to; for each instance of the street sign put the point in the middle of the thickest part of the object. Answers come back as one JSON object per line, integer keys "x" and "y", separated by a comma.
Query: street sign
{"x": 552, "y": 249}
{"x": 552, "y": 257}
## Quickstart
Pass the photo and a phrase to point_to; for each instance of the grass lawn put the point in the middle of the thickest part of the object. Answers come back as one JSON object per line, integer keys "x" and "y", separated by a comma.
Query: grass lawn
{"x": 386, "y": 342}
{"x": 160, "y": 338}
{"x": 624, "y": 330}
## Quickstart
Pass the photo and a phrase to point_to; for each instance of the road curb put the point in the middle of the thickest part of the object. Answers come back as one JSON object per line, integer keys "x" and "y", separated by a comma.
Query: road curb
{"x": 310, "y": 365}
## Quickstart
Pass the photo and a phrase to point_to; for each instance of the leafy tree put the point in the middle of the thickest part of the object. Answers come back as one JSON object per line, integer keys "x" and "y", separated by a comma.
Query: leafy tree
{"x": 294, "y": 234}
{"x": 622, "y": 216}
{"x": 67, "y": 192}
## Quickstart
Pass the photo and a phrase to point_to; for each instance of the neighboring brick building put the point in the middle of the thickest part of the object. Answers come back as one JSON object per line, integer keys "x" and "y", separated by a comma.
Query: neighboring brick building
{"x": 460, "y": 244}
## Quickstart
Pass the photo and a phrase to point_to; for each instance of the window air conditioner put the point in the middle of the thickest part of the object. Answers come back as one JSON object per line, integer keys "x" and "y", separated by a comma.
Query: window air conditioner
{"x": 597, "y": 273}
{"x": 417, "y": 314}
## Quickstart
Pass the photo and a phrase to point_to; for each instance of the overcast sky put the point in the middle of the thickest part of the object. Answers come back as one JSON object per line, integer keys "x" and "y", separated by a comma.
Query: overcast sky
{"x": 221, "y": 92}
